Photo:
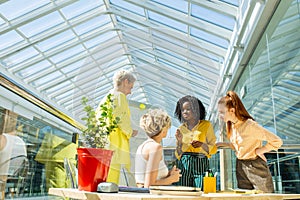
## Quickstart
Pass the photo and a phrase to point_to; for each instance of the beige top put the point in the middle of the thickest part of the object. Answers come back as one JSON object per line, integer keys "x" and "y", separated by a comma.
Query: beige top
{"x": 248, "y": 136}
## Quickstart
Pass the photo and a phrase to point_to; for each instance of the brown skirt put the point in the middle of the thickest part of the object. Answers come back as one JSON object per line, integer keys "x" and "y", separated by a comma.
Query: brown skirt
{"x": 254, "y": 174}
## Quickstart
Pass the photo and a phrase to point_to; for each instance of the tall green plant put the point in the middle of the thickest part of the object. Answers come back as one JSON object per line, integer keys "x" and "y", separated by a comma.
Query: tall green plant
{"x": 97, "y": 129}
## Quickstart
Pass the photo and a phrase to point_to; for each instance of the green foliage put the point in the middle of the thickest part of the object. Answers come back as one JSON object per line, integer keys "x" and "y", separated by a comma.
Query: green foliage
{"x": 96, "y": 131}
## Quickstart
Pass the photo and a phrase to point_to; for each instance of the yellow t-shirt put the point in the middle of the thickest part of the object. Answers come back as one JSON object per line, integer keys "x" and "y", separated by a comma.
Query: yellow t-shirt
{"x": 202, "y": 132}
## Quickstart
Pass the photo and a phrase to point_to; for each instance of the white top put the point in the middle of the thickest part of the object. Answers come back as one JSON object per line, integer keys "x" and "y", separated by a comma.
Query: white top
{"x": 141, "y": 165}
{"x": 14, "y": 147}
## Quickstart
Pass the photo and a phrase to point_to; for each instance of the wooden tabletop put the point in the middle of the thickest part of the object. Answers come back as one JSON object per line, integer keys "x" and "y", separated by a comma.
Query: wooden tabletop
{"x": 76, "y": 194}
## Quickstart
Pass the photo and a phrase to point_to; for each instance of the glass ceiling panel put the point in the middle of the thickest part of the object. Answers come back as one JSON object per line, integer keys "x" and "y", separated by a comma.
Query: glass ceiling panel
{"x": 160, "y": 50}
{"x": 39, "y": 75}
{"x": 116, "y": 63}
{"x": 9, "y": 39}
{"x": 164, "y": 59}
{"x": 178, "y": 5}
{"x": 63, "y": 96}
{"x": 149, "y": 55}
{"x": 94, "y": 42}
{"x": 92, "y": 24}
{"x": 73, "y": 67}
{"x": 108, "y": 54}
{"x": 173, "y": 67}
{"x": 205, "y": 53}
{"x": 37, "y": 26}
{"x": 21, "y": 56}
{"x": 15, "y": 8}
{"x": 204, "y": 81}
{"x": 232, "y": 2}
{"x": 2, "y": 22}
{"x": 90, "y": 90}
{"x": 67, "y": 54}
{"x": 128, "y": 23}
{"x": 164, "y": 37}
{"x": 171, "y": 76}
{"x": 33, "y": 69}
{"x": 128, "y": 7}
{"x": 160, "y": 19}
{"x": 213, "y": 17}
{"x": 101, "y": 82}
{"x": 45, "y": 79}
{"x": 209, "y": 67}
{"x": 56, "y": 40}
{"x": 86, "y": 78}
{"x": 58, "y": 87}
{"x": 136, "y": 43}
{"x": 209, "y": 38}
{"x": 143, "y": 53}
{"x": 79, "y": 7}
{"x": 153, "y": 78}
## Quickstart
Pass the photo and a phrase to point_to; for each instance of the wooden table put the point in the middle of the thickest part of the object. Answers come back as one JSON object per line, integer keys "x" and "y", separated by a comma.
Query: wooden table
{"x": 76, "y": 194}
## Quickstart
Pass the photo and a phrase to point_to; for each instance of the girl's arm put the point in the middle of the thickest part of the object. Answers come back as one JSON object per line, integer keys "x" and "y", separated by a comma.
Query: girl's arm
{"x": 178, "y": 150}
{"x": 211, "y": 140}
{"x": 155, "y": 156}
{"x": 174, "y": 175}
{"x": 224, "y": 145}
{"x": 273, "y": 141}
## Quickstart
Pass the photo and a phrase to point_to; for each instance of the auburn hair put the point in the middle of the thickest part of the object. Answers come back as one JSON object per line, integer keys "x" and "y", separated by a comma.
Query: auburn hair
{"x": 232, "y": 100}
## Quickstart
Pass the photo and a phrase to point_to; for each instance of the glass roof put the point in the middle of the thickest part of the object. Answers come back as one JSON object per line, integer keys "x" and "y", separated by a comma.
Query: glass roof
{"x": 62, "y": 50}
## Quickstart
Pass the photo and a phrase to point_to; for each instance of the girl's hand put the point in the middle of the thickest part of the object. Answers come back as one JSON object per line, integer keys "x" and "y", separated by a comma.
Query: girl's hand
{"x": 178, "y": 136}
{"x": 196, "y": 144}
{"x": 261, "y": 155}
{"x": 134, "y": 133}
{"x": 174, "y": 174}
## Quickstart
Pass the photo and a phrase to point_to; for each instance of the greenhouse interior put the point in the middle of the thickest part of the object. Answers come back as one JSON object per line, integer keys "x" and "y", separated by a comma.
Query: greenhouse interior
{"x": 55, "y": 52}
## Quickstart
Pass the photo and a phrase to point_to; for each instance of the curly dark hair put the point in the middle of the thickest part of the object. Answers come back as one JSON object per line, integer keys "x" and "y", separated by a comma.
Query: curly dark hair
{"x": 198, "y": 108}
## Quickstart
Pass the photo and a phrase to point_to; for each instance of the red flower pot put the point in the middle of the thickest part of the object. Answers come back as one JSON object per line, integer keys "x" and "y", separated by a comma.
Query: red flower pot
{"x": 93, "y": 167}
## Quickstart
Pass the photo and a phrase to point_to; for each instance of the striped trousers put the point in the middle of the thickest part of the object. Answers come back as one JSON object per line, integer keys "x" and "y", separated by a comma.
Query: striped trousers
{"x": 192, "y": 166}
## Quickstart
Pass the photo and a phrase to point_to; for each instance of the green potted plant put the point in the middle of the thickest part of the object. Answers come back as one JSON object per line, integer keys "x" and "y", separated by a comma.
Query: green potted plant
{"x": 93, "y": 159}
{"x": 97, "y": 130}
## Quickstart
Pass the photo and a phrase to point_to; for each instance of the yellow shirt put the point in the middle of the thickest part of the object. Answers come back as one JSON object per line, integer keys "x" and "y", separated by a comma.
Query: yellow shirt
{"x": 202, "y": 132}
{"x": 249, "y": 136}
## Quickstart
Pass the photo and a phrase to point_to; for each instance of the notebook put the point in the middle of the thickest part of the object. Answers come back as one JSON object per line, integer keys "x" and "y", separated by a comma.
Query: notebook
{"x": 133, "y": 189}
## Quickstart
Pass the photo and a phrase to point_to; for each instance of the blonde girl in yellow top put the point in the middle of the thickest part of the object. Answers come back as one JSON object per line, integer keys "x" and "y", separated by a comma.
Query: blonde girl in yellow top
{"x": 195, "y": 141}
{"x": 119, "y": 139}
